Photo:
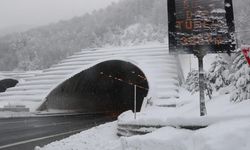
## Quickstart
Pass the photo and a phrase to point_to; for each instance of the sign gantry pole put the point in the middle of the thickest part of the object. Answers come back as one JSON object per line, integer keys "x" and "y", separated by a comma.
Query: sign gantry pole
{"x": 200, "y": 53}
{"x": 199, "y": 27}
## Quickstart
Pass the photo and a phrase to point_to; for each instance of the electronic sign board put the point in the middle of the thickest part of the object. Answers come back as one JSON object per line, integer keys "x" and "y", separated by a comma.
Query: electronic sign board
{"x": 201, "y": 24}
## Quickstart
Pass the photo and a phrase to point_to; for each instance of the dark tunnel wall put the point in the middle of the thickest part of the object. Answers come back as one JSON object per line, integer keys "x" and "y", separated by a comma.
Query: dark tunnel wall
{"x": 106, "y": 87}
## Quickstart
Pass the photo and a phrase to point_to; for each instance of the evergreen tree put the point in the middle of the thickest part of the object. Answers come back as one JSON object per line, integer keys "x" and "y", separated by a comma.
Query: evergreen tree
{"x": 192, "y": 81}
{"x": 240, "y": 79}
{"x": 218, "y": 73}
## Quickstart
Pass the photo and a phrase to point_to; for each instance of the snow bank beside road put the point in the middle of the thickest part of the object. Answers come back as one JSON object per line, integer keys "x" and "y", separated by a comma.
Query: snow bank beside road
{"x": 102, "y": 137}
{"x": 228, "y": 135}
{"x": 229, "y": 129}
{"x": 187, "y": 112}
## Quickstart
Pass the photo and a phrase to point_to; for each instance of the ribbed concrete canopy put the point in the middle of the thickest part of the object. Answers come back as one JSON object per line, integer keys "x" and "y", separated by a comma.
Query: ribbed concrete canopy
{"x": 105, "y": 87}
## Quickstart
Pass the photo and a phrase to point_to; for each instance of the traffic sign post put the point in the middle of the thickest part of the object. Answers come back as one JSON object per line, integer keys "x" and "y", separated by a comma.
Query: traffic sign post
{"x": 200, "y": 53}
{"x": 199, "y": 27}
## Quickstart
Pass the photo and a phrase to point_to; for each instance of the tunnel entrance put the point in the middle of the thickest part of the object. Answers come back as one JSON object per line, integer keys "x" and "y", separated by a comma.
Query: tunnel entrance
{"x": 105, "y": 87}
{"x": 7, "y": 83}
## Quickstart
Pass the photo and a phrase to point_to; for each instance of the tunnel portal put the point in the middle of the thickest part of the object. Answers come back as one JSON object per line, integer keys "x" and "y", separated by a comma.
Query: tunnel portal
{"x": 105, "y": 87}
{"x": 7, "y": 83}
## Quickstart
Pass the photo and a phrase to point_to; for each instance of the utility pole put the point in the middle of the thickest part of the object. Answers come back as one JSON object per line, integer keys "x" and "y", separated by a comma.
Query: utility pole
{"x": 200, "y": 53}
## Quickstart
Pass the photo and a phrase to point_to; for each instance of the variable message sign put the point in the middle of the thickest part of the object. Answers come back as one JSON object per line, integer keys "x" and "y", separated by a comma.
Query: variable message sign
{"x": 201, "y": 24}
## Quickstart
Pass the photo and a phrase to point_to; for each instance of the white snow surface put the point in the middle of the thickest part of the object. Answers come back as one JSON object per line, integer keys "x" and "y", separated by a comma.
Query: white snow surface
{"x": 187, "y": 112}
{"x": 229, "y": 129}
{"x": 228, "y": 135}
{"x": 190, "y": 62}
{"x": 102, "y": 137}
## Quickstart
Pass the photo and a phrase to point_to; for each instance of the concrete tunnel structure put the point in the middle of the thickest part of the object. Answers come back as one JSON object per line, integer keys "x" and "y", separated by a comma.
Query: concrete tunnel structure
{"x": 7, "y": 83}
{"x": 105, "y": 87}
{"x": 100, "y": 80}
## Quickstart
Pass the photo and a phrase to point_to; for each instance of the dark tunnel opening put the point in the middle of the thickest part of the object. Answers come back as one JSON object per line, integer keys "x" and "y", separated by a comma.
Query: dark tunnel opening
{"x": 106, "y": 87}
{"x": 7, "y": 83}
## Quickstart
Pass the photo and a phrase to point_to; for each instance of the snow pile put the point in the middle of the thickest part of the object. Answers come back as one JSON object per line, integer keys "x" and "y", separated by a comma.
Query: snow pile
{"x": 102, "y": 137}
{"x": 229, "y": 128}
{"x": 230, "y": 135}
{"x": 187, "y": 112}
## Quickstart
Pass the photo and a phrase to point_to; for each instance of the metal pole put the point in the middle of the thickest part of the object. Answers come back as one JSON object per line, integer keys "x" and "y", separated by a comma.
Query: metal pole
{"x": 200, "y": 53}
{"x": 135, "y": 101}
{"x": 203, "y": 110}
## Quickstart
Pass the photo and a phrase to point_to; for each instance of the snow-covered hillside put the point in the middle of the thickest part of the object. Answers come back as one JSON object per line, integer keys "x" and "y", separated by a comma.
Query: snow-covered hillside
{"x": 126, "y": 22}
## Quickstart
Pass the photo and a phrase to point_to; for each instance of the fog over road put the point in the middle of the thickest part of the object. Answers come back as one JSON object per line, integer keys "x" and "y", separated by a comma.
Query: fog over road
{"x": 26, "y": 133}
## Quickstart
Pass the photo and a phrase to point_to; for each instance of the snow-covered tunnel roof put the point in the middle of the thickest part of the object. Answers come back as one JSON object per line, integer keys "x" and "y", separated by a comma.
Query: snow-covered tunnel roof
{"x": 159, "y": 67}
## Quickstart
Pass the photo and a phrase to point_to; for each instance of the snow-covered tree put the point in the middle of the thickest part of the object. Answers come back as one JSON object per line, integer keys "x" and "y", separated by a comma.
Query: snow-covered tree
{"x": 240, "y": 79}
{"x": 192, "y": 81}
{"x": 218, "y": 73}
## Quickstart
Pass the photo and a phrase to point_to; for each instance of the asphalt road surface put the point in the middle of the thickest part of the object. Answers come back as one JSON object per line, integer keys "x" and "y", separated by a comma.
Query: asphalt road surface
{"x": 26, "y": 133}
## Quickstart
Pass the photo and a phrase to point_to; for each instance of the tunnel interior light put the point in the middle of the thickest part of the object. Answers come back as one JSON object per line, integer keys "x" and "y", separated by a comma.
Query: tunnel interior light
{"x": 127, "y": 82}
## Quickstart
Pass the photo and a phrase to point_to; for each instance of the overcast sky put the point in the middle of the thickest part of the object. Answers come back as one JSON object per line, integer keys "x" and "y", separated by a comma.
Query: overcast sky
{"x": 40, "y": 12}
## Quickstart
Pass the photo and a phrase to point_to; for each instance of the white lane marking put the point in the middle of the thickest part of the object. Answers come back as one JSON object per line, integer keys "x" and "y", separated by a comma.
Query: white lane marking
{"x": 21, "y": 121}
{"x": 51, "y": 124}
{"x": 39, "y": 139}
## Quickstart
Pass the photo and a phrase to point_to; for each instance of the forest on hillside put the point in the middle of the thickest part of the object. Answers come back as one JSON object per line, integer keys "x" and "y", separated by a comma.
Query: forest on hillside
{"x": 128, "y": 22}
